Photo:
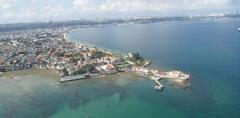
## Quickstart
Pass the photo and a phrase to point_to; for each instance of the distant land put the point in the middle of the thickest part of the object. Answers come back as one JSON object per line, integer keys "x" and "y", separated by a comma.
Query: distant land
{"x": 140, "y": 20}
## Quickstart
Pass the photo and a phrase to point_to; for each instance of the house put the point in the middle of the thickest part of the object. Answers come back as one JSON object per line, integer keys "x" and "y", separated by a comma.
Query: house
{"x": 106, "y": 69}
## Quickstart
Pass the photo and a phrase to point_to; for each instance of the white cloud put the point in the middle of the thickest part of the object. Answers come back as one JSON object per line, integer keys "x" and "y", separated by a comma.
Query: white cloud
{"x": 81, "y": 3}
{"x": 4, "y": 4}
{"x": 84, "y": 5}
{"x": 149, "y": 5}
{"x": 202, "y": 4}
{"x": 31, "y": 10}
{"x": 8, "y": 15}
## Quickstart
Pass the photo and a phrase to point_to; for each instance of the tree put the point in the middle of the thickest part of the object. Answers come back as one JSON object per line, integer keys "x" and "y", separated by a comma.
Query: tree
{"x": 89, "y": 67}
{"x": 80, "y": 71}
{"x": 60, "y": 54}
{"x": 74, "y": 59}
{"x": 137, "y": 59}
{"x": 136, "y": 56}
{"x": 85, "y": 69}
{"x": 97, "y": 54}
{"x": 65, "y": 71}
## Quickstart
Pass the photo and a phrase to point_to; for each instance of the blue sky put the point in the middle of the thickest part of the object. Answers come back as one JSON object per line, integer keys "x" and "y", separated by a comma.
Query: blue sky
{"x": 12, "y": 11}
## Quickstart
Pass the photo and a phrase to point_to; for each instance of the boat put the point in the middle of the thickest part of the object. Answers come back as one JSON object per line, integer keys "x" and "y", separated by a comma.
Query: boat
{"x": 158, "y": 87}
{"x": 238, "y": 29}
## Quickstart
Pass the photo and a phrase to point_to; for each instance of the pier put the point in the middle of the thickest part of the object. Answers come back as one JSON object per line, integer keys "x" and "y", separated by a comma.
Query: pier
{"x": 159, "y": 86}
{"x": 79, "y": 77}
{"x": 72, "y": 78}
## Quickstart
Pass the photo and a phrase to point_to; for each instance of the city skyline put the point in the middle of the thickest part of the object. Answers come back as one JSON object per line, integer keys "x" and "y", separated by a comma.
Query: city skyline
{"x": 15, "y": 11}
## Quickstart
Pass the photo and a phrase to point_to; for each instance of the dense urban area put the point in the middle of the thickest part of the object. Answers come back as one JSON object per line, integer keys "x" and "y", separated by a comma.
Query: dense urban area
{"x": 50, "y": 49}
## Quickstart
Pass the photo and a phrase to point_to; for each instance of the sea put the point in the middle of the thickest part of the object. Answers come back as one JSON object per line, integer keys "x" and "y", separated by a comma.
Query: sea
{"x": 209, "y": 50}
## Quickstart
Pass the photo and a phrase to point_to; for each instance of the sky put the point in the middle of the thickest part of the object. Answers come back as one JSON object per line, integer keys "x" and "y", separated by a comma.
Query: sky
{"x": 14, "y": 11}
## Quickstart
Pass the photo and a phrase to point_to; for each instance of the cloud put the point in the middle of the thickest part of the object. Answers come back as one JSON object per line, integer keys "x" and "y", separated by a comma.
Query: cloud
{"x": 4, "y": 4}
{"x": 133, "y": 5}
{"x": 150, "y": 5}
{"x": 82, "y": 4}
{"x": 31, "y": 10}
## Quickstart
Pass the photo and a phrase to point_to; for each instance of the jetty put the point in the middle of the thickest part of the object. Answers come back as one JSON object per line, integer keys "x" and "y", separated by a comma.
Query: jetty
{"x": 80, "y": 77}
{"x": 159, "y": 86}
{"x": 72, "y": 78}
{"x": 156, "y": 79}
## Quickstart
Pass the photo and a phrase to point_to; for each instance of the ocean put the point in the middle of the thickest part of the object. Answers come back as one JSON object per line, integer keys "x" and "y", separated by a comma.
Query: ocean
{"x": 207, "y": 49}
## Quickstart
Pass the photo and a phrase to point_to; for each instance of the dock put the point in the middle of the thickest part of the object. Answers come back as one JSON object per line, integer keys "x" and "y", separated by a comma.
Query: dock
{"x": 159, "y": 86}
{"x": 79, "y": 77}
{"x": 72, "y": 78}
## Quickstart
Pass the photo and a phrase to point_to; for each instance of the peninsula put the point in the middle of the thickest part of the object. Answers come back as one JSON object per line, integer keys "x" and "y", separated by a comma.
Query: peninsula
{"x": 50, "y": 49}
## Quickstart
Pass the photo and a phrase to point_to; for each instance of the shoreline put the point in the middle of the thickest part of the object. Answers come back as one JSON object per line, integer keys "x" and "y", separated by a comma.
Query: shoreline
{"x": 66, "y": 34}
{"x": 147, "y": 62}
{"x": 132, "y": 63}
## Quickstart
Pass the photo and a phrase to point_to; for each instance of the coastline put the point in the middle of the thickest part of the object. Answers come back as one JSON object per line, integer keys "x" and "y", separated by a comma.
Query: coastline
{"x": 90, "y": 45}
{"x": 109, "y": 63}
{"x": 179, "y": 78}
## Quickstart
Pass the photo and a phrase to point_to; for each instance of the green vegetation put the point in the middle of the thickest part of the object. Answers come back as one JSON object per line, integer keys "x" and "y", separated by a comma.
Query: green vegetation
{"x": 68, "y": 55}
{"x": 136, "y": 56}
{"x": 85, "y": 69}
{"x": 137, "y": 59}
{"x": 74, "y": 59}
{"x": 65, "y": 71}
{"x": 97, "y": 54}
{"x": 60, "y": 54}
{"x": 80, "y": 71}
{"x": 89, "y": 67}
{"x": 77, "y": 54}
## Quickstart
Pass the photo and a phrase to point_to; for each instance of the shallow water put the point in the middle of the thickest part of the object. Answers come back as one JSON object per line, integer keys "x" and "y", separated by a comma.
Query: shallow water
{"x": 41, "y": 96}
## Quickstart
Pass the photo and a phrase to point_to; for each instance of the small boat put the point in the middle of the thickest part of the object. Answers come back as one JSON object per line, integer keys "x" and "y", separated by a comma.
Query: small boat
{"x": 238, "y": 29}
{"x": 158, "y": 87}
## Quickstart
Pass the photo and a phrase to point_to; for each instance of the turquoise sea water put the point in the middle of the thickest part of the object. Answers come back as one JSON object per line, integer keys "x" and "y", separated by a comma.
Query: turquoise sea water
{"x": 208, "y": 50}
